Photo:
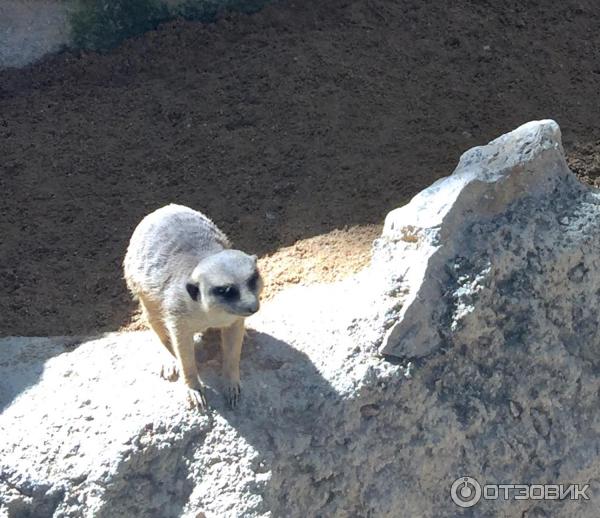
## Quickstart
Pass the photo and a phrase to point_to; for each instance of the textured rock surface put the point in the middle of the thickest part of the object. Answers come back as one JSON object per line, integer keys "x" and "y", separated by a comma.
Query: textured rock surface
{"x": 503, "y": 383}
{"x": 500, "y": 204}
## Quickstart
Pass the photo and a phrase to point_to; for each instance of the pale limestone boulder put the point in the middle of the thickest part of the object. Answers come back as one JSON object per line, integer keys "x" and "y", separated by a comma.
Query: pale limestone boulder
{"x": 459, "y": 214}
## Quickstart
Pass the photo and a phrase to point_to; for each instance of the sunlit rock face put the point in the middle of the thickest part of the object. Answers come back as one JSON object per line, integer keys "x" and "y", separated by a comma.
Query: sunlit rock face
{"x": 482, "y": 297}
{"x": 469, "y": 236}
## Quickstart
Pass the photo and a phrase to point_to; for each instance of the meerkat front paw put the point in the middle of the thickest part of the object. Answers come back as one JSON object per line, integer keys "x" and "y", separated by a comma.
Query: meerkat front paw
{"x": 233, "y": 393}
{"x": 196, "y": 399}
{"x": 196, "y": 395}
{"x": 169, "y": 372}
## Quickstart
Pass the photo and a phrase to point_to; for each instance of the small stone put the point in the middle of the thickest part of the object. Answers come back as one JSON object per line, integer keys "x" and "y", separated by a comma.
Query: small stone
{"x": 370, "y": 410}
{"x": 515, "y": 408}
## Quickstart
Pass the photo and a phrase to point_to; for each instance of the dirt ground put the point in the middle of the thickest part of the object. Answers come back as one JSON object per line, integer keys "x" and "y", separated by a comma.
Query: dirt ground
{"x": 296, "y": 129}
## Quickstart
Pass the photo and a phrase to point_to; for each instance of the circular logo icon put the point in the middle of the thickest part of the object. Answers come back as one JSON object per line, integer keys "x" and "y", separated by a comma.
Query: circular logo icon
{"x": 465, "y": 492}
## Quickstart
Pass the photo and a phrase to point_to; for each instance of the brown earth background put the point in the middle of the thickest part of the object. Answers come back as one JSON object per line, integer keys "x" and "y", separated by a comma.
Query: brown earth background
{"x": 296, "y": 129}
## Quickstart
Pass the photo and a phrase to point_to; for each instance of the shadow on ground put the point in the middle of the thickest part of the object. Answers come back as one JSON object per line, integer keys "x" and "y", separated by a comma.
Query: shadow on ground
{"x": 22, "y": 362}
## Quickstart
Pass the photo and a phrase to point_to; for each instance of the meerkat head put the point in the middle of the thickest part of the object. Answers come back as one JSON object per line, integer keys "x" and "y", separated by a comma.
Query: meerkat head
{"x": 228, "y": 281}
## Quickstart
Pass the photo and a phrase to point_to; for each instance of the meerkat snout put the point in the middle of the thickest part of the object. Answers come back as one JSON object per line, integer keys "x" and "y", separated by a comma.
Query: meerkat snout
{"x": 227, "y": 282}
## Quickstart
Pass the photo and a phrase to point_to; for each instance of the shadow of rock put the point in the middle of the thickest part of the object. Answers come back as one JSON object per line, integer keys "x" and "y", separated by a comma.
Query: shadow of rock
{"x": 22, "y": 362}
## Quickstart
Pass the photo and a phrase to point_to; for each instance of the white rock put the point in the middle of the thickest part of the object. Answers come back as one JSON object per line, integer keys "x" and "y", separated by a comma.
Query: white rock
{"x": 439, "y": 225}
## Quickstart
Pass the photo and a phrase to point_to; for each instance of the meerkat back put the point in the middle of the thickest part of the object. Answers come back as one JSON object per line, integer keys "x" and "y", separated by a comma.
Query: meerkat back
{"x": 169, "y": 240}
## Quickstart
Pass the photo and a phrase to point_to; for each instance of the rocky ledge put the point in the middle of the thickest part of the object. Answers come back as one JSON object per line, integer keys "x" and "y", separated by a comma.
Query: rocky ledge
{"x": 469, "y": 347}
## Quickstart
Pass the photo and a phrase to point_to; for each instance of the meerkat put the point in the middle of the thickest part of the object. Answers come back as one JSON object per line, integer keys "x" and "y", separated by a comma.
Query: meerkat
{"x": 182, "y": 270}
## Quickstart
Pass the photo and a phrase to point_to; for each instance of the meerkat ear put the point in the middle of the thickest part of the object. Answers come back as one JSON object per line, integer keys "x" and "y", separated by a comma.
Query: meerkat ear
{"x": 193, "y": 290}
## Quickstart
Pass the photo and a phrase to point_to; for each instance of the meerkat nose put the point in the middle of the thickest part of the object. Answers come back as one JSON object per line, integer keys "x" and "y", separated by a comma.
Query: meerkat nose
{"x": 252, "y": 308}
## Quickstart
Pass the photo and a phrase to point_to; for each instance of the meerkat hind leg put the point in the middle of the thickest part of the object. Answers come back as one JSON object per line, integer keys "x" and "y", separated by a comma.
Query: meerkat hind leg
{"x": 231, "y": 346}
{"x": 183, "y": 345}
{"x": 168, "y": 370}
{"x": 151, "y": 312}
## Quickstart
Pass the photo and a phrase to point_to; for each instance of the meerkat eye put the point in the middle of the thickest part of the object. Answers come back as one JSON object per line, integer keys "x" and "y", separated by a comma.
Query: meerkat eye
{"x": 226, "y": 292}
{"x": 252, "y": 282}
{"x": 193, "y": 290}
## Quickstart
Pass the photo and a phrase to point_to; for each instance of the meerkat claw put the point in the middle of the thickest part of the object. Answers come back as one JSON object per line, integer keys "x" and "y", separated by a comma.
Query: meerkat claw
{"x": 169, "y": 372}
{"x": 197, "y": 399}
{"x": 234, "y": 394}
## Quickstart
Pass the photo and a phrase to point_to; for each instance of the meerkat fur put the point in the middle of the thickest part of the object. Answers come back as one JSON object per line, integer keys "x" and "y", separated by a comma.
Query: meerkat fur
{"x": 182, "y": 270}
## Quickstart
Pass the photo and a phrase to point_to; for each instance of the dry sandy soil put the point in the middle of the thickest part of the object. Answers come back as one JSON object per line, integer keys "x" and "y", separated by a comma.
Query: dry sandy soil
{"x": 296, "y": 129}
